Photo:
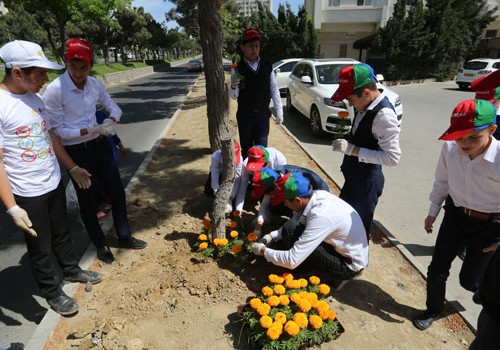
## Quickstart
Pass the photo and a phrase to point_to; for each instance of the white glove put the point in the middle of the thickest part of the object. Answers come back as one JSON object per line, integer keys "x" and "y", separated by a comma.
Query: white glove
{"x": 98, "y": 130}
{"x": 81, "y": 177}
{"x": 342, "y": 146}
{"x": 266, "y": 239}
{"x": 20, "y": 217}
{"x": 110, "y": 126}
{"x": 258, "y": 248}
{"x": 235, "y": 81}
{"x": 279, "y": 119}
{"x": 229, "y": 208}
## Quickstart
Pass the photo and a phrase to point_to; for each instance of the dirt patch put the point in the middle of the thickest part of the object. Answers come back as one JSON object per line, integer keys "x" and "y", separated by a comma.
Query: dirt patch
{"x": 168, "y": 297}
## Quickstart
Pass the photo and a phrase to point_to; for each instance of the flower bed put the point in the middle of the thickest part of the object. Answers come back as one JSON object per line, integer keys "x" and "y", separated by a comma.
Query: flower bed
{"x": 290, "y": 314}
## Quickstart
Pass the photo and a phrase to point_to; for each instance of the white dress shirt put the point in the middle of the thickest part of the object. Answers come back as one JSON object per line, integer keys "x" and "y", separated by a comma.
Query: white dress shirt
{"x": 70, "y": 109}
{"x": 386, "y": 130}
{"x": 216, "y": 166}
{"x": 329, "y": 219}
{"x": 471, "y": 183}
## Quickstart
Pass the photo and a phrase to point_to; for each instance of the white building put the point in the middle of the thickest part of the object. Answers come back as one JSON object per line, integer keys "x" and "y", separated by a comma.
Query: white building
{"x": 247, "y": 7}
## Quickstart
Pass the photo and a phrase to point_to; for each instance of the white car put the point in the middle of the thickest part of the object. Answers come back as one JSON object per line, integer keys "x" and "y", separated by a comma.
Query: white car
{"x": 282, "y": 69}
{"x": 311, "y": 86}
{"x": 474, "y": 69}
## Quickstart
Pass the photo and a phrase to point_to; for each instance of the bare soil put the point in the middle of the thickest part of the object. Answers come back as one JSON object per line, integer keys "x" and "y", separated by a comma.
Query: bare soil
{"x": 168, "y": 297}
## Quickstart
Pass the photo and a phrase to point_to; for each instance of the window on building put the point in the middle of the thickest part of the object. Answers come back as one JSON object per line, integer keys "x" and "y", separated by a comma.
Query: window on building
{"x": 364, "y": 2}
{"x": 491, "y": 33}
{"x": 343, "y": 50}
{"x": 333, "y": 3}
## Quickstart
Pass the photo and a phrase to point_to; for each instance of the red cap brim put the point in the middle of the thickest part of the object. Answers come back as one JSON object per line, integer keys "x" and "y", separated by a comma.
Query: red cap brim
{"x": 454, "y": 135}
{"x": 341, "y": 93}
{"x": 254, "y": 166}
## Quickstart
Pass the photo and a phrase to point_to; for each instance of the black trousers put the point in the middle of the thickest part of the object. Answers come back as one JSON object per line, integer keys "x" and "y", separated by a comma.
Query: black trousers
{"x": 97, "y": 158}
{"x": 457, "y": 230}
{"x": 324, "y": 257}
{"x": 53, "y": 245}
{"x": 487, "y": 333}
{"x": 253, "y": 128}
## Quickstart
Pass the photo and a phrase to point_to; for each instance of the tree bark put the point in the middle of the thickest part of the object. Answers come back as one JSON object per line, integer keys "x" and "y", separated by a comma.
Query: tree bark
{"x": 219, "y": 126}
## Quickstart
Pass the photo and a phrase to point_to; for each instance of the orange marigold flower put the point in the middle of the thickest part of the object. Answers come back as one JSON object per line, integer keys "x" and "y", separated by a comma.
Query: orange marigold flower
{"x": 332, "y": 314}
{"x": 292, "y": 284}
{"x": 207, "y": 223}
{"x": 203, "y": 245}
{"x": 267, "y": 291}
{"x": 233, "y": 234}
{"x": 234, "y": 65}
{"x": 202, "y": 237}
{"x": 255, "y": 303}
{"x": 233, "y": 224}
{"x": 273, "y": 333}
{"x": 236, "y": 213}
{"x": 280, "y": 317}
{"x": 236, "y": 249}
{"x": 292, "y": 328}
{"x": 217, "y": 242}
{"x": 304, "y": 294}
{"x": 263, "y": 309}
{"x": 273, "y": 300}
{"x": 315, "y": 321}
{"x": 314, "y": 280}
{"x": 279, "y": 289}
{"x": 287, "y": 276}
{"x": 301, "y": 319}
{"x": 272, "y": 278}
{"x": 302, "y": 282}
{"x": 323, "y": 314}
{"x": 266, "y": 321}
{"x": 304, "y": 305}
{"x": 322, "y": 305}
{"x": 284, "y": 301}
{"x": 252, "y": 237}
{"x": 295, "y": 297}
{"x": 312, "y": 297}
{"x": 224, "y": 241}
{"x": 324, "y": 289}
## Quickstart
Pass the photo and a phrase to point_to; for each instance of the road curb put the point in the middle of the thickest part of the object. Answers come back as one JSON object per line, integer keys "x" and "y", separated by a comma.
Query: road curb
{"x": 49, "y": 322}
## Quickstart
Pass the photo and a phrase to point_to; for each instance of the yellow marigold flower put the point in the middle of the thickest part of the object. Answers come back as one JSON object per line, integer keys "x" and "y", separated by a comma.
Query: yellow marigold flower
{"x": 272, "y": 278}
{"x": 266, "y": 321}
{"x": 280, "y": 317}
{"x": 302, "y": 282}
{"x": 324, "y": 289}
{"x": 315, "y": 321}
{"x": 284, "y": 301}
{"x": 273, "y": 300}
{"x": 292, "y": 284}
{"x": 287, "y": 276}
{"x": 203, "y": 245}
{"x": 331, "y": 314}
{"x": 263, "y": 309}
{"x": 295, "y": 297}
{"x": 311, "y": 296}
{"x": 279, "y": 289}
{"x": 252, "y": 237}
{"x": 236, "y": 213}
{"x": 278, "y": 326}
{"x": 207, "y": 223}
{"x": 301, "y": 319}
{"x": 233, "y": 224}
{"x": 304, "y": 294}
{"x": 202, "y": 237}
{"x": 273, "y": 333}
{"x": 314, "y": 280}
{"x": 216, "y": 242}
{"x": 224, "y": 241}
{"x": 236, "y": 249}
{"x": 267, "y": 291}
{"x": 255, "y": 303}
{"x": 304, "y": 305}
{"x": 233, "y": 234}
{"x": 323, "y": 314}
{"x": 292, "y": 328}
{"x": 322, "y": 305}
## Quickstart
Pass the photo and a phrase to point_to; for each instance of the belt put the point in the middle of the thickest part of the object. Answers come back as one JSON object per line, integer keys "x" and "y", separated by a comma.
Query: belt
{"x": 87, "y": 144}
{"x": 479, "y": 215}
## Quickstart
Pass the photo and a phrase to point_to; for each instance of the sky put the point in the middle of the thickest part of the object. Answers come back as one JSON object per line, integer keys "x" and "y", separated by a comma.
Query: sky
{"x": 158, "y": 8}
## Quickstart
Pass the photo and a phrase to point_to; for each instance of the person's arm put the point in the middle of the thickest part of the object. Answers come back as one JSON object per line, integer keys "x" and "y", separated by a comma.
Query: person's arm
{"x": 240, "y": 195}
{"x": 115, "y": 112}
{"x": 276, "y": 97}
{"x": 440, "y": 188}
{"x": 264, "y": 210}
{"x": 386, "y": 130}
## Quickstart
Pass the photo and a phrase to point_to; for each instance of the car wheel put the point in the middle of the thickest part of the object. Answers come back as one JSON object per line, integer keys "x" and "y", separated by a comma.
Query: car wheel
{"x": 463, "y": 86}
{"x": 289, "y": 101}
{"x": 316, "y": 122}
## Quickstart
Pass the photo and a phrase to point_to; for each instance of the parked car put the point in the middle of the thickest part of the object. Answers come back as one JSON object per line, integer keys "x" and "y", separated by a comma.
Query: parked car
{"x": 195, "y": 66}
{"x": 474, "y": 69}
{"x": 311, "y": 86}
{"x": 282, "y": 69}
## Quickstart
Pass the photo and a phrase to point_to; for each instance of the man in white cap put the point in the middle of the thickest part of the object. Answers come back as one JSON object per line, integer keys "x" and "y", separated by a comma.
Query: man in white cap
{"x": 30, "y": 179}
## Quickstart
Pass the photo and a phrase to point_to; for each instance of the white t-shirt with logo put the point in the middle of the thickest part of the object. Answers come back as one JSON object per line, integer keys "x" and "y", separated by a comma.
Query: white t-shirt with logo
{"x": 28, "y": 156}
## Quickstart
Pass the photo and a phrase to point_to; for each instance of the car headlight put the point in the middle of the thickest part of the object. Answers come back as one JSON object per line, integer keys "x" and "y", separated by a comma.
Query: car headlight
{"x": 397, "y": 102}
{"x": 332, "y": 103}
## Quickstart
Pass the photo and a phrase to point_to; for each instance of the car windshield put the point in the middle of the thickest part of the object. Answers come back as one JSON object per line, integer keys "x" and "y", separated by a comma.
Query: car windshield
{"x": 276, "y": 64}
{"x": 475, "y": 65}
{"x": 329, "y": 73}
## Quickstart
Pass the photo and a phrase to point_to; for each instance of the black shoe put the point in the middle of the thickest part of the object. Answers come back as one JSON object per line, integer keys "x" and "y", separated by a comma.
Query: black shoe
{"x": 84, "y": 276}
{"x": 63, "y": 305}
{"x": 131, "y": 243}
{"x": 105, "y": 255}
{"x": 476, "y": 298}
{"x": 424, "y": 320}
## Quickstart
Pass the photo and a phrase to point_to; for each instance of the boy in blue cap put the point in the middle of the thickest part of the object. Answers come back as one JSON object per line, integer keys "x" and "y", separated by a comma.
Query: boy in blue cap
{"x": 373, "y": 140}
{"x": 466, "y": 180}
{"x": 324, "y": 230}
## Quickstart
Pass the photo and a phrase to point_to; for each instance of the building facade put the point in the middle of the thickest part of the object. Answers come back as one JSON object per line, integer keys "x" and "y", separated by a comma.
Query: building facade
{"x": 247, "y": 7}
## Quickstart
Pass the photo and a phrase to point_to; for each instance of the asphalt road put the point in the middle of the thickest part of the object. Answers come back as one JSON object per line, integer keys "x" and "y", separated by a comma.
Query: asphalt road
{"x": 148, "y": 103}
{"x": 404, "y": 203}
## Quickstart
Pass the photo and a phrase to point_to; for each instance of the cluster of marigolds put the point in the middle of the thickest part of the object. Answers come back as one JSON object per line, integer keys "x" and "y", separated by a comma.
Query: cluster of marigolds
{"x": 289, "y": 312}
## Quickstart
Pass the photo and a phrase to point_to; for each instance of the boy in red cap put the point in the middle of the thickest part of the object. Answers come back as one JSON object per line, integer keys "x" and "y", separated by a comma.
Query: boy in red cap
{"x": 373, "y": 140}
{"x": 324, "y": 230}
{"x": 71, "y": 101}
{"x": 254, "y": 91}
{"x": 466, "y": 181}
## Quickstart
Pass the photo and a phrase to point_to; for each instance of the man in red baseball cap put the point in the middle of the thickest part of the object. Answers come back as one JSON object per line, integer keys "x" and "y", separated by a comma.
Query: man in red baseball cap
{"x": 71, "y": 101}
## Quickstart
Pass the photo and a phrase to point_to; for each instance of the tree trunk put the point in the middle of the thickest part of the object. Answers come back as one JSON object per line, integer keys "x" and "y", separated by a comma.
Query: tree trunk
{"x": 219, "y": 126}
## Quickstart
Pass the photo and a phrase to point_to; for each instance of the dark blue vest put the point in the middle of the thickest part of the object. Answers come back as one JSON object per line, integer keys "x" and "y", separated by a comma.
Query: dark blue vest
{"x": 255, "y": 88}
